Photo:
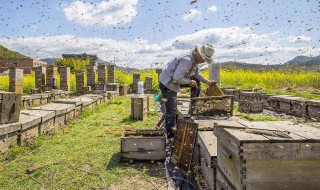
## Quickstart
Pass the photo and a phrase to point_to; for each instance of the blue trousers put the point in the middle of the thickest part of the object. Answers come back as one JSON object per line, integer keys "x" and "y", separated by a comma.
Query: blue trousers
{"x": 171, "y": 104}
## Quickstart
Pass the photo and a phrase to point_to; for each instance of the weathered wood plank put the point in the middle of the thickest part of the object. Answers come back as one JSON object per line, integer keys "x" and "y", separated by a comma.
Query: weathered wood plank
{"x": 283, "y": 186}
{"x": 142, "y": 144}
{"x": 208, "y": 147}
{"x": 147, "y": 155}
{"x": 282, "y": 170}
{"x": 209, "y": 174}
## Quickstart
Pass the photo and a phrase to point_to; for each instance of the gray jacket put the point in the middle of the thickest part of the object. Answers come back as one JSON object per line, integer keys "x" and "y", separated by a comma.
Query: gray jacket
{"x": 179, "y": 70}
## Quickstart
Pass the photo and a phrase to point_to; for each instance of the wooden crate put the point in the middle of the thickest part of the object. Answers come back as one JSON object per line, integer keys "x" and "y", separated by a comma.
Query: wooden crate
{"x": 143, "y": 145}
{"x": 212, "y": 105}
{"x": 269, "y": 155}
{"x": 139, "y": 107}
{"x": 16, "y": 80}
{"x": 10, "y": 104}
{"x": 313, "y": 109}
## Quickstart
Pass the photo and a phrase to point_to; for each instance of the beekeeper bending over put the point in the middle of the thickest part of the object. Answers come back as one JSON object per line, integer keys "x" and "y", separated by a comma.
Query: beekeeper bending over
{"x": 179, "y": 72}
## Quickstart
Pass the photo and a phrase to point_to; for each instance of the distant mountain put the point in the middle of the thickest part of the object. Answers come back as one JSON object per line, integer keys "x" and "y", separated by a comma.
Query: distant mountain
{"x": 304, "y": 61}
{"x": 49, "y": 60}
{"x": 5, "y": 53}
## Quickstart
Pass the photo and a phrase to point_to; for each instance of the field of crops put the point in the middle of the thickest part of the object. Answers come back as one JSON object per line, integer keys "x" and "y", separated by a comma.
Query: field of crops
{"x": 299, "y": 82}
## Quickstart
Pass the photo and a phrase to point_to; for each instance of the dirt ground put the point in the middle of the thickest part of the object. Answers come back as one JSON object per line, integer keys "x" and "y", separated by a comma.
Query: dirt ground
{"x": 152, "y": 177}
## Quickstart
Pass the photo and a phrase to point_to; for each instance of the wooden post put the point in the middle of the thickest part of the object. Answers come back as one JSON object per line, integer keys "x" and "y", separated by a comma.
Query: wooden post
{"x": 16, "y": 80}
{"x": 65, "y": 78}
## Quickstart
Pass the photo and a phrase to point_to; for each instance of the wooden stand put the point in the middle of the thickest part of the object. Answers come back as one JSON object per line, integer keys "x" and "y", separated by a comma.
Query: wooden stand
{"x": 139, "y": 107}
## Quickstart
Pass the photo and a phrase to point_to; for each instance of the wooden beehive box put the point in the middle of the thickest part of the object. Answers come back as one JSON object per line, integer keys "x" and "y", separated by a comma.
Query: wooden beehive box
{"x": 111, "y": 73}
{"x": 246, "y": 106}
{"x": 143, "y": 145}
{"x": 208, "y": 156}
{"x": 299, "y": 107}
{"x": 250, "y": 96}
{"x": 91, "y": 76}
{"x": 16, "y": 80}
{"x": 10, "y": 104}
{"x": 102, "y": 74}
{"x": 123, "y": 90}
{"x": 212, "y": 105}
{"x": 65, "y": 78}
{"x": 285, "y": 105}
{"x": 139, "y": 107}
{"x": 112, "y": 87}
{"x": 313, "y": 109}
{"x": 274, "y": 102}
{"x": 136, "y": 79}
{"x": 268, "y": 155}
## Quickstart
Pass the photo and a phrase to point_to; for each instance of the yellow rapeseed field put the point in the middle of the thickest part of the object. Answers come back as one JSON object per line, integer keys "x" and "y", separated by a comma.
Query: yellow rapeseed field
{"x": 300, "y": 83}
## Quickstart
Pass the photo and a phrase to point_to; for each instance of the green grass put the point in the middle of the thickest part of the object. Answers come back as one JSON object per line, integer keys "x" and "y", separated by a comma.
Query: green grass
{"x": 86, "y": 157}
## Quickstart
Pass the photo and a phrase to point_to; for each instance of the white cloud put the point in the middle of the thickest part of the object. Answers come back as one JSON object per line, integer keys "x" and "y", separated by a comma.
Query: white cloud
{"x": 112, "y": 12}
{"x": 212, "y": 9}
{"x": 191, "y": 14}
{"x": 233, "y": 43}
{"x": 298, "y": 39}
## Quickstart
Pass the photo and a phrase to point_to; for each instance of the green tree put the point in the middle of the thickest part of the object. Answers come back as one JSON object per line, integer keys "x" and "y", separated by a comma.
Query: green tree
{"x": 74, "y": 64}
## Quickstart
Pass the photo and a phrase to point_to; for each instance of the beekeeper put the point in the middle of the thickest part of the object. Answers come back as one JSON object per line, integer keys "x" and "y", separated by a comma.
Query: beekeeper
{"x": 179, "y": 72}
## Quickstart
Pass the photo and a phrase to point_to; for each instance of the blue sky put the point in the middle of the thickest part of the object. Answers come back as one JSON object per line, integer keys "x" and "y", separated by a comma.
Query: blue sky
{"x": 143, "y": 32}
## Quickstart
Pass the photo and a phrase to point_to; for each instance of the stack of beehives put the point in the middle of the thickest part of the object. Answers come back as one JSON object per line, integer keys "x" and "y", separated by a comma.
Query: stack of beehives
{"x": 79, "y": 82}
{"x": 136, "y": 79}
{"x": 52, "y": 74}
{"x": 40, "y": 73}
{"x": 91, "y": 73}
{"x": 148, "y": 84}
{"x": 111, "y": 74}
{"x": 65, "y": 78}
{"x": 101, "y": 77}
{"x": 16, "y": 80}
{"x": 250, "y": 102}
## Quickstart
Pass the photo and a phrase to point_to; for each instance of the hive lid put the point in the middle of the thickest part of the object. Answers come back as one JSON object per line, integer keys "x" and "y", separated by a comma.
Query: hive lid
{"x": 273, "y": 131}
